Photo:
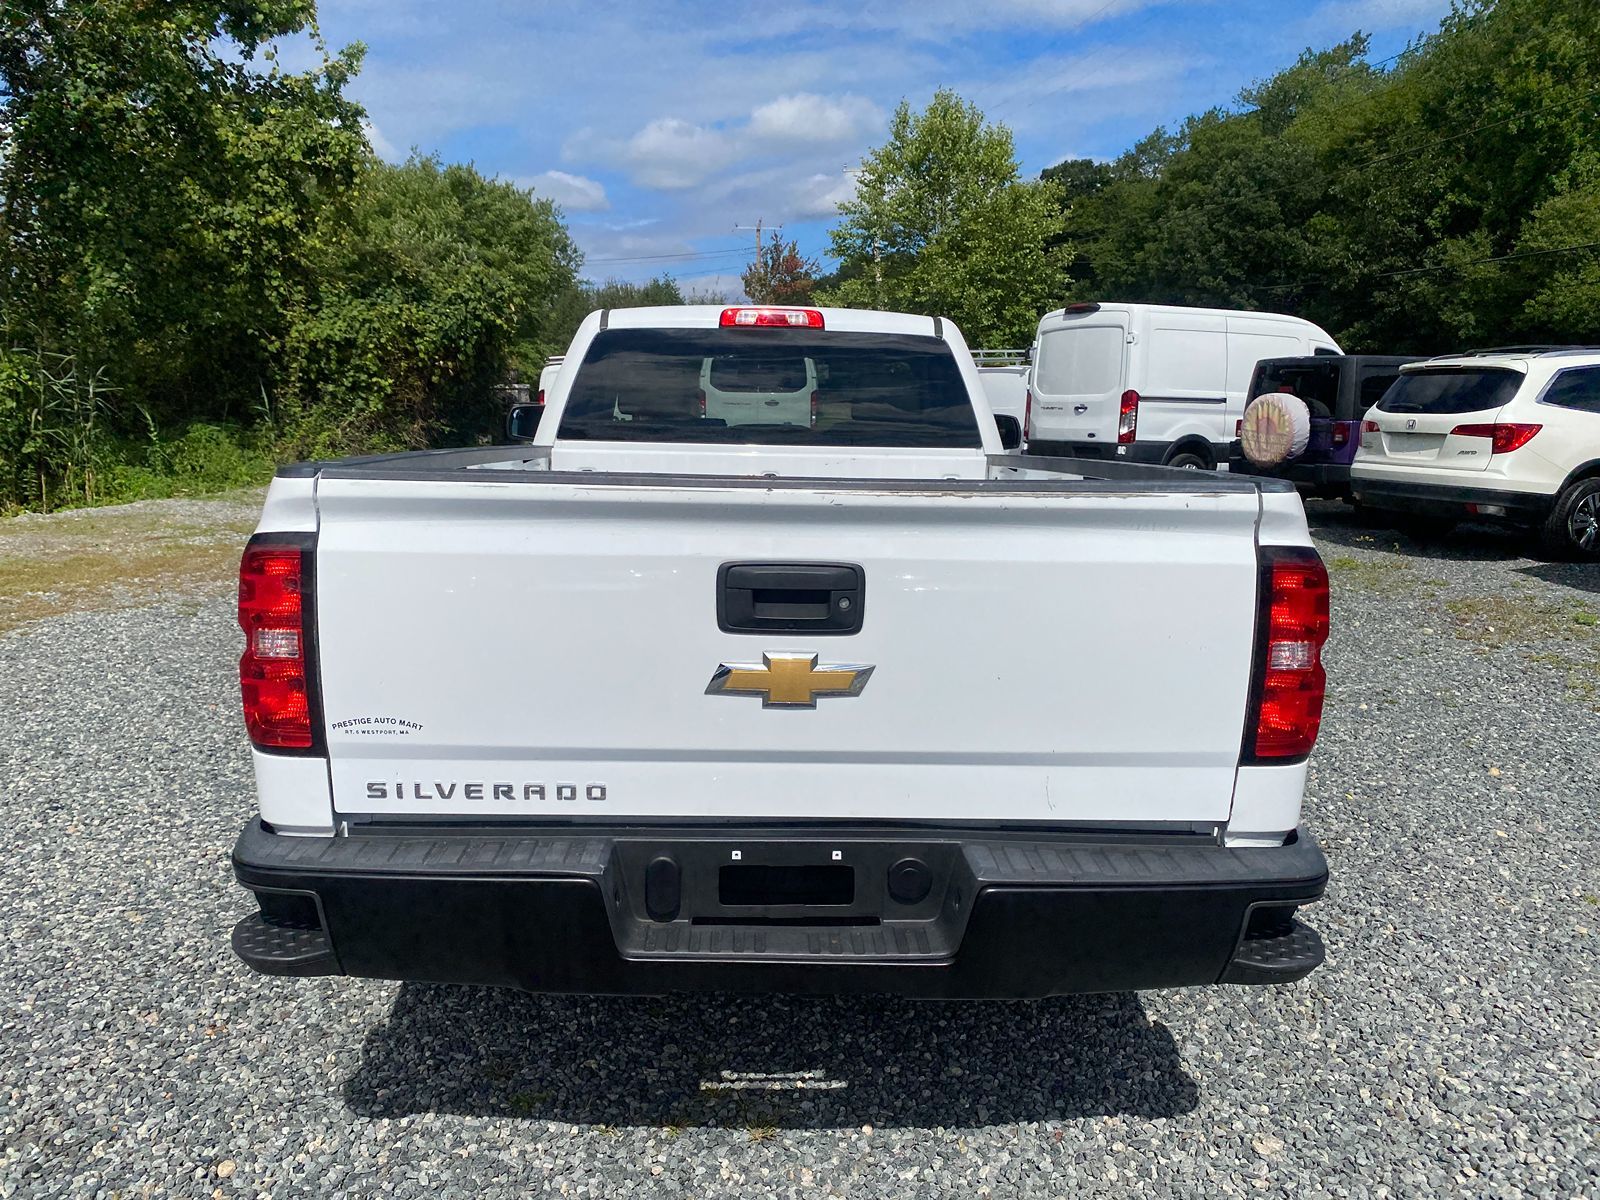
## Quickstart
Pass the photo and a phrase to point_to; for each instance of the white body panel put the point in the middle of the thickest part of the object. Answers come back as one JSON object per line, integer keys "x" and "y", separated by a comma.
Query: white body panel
{"x": 964, "y": 718}
{"x": 1413, "y": 448}
{"x": 1190, "y": 366}
{"x": 1007, "y": 390}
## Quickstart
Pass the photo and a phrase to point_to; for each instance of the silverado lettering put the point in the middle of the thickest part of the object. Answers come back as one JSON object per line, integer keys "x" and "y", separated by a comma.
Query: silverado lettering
{"x": 381, "y": 790}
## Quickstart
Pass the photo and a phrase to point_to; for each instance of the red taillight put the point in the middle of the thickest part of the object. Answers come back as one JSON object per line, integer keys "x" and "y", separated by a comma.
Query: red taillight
{"x": 1238, "y": 428}
{"x": 273, "y": 674}
{"x": 700, "y": 397}
{"x": 540, "y": 399}
{"x": 1027, "y": 416}
{"x": 794, "y": 318}
{"x": 1128, "y": 417}
{"x": 813, "y": 408}
{"x": 1370, "y": 427}
{"x": 1505, "y": 437}
{"x": 1290, "y": 681}
{"x": 1341, "y": 432}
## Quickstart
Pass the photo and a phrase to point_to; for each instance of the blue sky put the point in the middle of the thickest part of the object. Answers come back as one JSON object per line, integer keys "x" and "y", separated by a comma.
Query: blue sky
{"x": 660, "y": 125}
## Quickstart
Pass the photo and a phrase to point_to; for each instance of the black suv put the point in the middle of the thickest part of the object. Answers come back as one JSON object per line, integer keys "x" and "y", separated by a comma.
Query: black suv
{"x": 1338, "y": 389}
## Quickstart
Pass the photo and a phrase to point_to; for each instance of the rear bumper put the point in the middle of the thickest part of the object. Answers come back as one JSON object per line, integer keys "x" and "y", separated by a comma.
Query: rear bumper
{"x": 1322, "y": 477}
{"x": 1451, "y": 499}
{"x": 982, "y": 915}
{"x": 1150, "y": 453}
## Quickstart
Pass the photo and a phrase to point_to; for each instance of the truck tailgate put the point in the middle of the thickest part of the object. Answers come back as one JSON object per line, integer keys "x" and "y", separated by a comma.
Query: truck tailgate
{"x": 543, "y": 648}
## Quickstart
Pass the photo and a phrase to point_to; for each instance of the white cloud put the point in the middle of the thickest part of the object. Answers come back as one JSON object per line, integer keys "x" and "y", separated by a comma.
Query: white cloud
{"x": 381, "y": 146}
{"x": 574, "y": 193}
{"x": 808, "y": 118}
{"x": 820, "y": 195}
{"x": 672, "y": 154}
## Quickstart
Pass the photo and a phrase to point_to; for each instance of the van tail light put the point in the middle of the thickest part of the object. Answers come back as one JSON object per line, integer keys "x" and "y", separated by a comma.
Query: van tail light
{"x": 700, "y": 399}
{"x": 277, "y": 679}
{"x": 813, "y": 408}
{"x": 1289, "y": 682}
{"x": 1128, "y": 417}
{"x": 1341, "y": 433}
{"x": 1505, "y": 437}
{"x": 785, "y": 318}
{"x": 1027, "y": 415}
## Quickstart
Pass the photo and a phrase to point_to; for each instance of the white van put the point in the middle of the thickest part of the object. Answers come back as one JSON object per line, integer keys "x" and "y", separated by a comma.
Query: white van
{"x": 770, "y": 389}
{"x": 1150, "y": 382}
{"x": 1007, "y": 390}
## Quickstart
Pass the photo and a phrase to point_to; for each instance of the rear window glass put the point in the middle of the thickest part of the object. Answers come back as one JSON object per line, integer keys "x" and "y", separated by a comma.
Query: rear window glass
{"x": 872, "y": 389}
{"x": 1452, "y": 390}
{"x": 744, "y": 373}
{"x": 1315, "y": 383}
{"x": 1374, "y": 386}
{"x": 1085, "y": 361}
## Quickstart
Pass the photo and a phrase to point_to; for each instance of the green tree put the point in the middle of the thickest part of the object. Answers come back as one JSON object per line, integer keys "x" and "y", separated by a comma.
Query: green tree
{"x": 1451, "y": 200}
{"x": 780, "y": 274}
{"x": 428, "y": 289}
{"x": 159, "y": 173}
{"x": 942, "y": 223}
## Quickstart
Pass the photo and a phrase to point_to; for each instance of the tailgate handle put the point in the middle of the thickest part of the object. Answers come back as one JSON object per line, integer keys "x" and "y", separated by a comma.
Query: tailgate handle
{"x": 816, "y": 598}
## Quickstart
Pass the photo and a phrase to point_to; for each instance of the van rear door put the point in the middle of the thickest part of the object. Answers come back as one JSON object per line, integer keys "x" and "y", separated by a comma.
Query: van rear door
{"x": 1078, "y": 376}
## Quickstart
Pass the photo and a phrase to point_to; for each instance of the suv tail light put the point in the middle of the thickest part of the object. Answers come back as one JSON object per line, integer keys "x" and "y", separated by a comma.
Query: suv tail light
{"x": 276, "y": 677}
{"x": 1128, "y": 417}
{"x": 802, "y": 318}
{"x": 1286, "y": 708}
{"x": 1505, "y": 437}
{"x": 1341, "y": 432}
{"x": 1370, "y": 427}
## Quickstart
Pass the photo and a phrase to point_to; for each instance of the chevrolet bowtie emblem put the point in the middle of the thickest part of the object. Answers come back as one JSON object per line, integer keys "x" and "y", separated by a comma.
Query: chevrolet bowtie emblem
{"x": 788, "y": 680}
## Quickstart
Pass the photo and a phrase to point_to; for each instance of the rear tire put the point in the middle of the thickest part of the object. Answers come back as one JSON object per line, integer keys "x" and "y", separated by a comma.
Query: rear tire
{"x": 1190, "y": 461}
{"x": 1572, "y": 530}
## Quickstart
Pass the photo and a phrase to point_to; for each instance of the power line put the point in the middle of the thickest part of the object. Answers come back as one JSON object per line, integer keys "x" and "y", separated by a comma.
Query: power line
{"x": 1407, "y": 271}
{"x": 689, "y": 254}
{"x": 1456, "y": 137}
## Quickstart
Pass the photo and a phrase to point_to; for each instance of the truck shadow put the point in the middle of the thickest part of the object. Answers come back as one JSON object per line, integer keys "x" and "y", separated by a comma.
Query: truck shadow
{"x": 766, "y": 1062}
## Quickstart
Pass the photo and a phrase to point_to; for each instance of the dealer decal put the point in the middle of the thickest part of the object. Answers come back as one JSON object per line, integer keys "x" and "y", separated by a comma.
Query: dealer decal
{"x": 378, "y": 726}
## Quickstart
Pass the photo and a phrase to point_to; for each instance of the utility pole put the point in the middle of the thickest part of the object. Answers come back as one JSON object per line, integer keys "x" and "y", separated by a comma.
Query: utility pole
{"x": 758, "y": 227}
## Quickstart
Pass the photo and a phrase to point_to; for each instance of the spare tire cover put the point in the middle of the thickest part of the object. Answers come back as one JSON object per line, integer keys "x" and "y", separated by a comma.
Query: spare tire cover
{"x": 1277, "y": 428}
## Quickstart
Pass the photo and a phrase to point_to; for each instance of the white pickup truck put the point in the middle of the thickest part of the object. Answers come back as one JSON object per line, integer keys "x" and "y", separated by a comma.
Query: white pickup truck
{"x": 851, "y": 699}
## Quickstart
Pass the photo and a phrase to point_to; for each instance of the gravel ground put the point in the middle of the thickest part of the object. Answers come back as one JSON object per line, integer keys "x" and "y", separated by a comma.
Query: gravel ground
{"x": 1450, "y": 1045}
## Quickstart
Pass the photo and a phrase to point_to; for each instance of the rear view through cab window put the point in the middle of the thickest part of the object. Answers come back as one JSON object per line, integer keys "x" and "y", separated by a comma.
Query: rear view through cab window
{"x": 770, "y": 386}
